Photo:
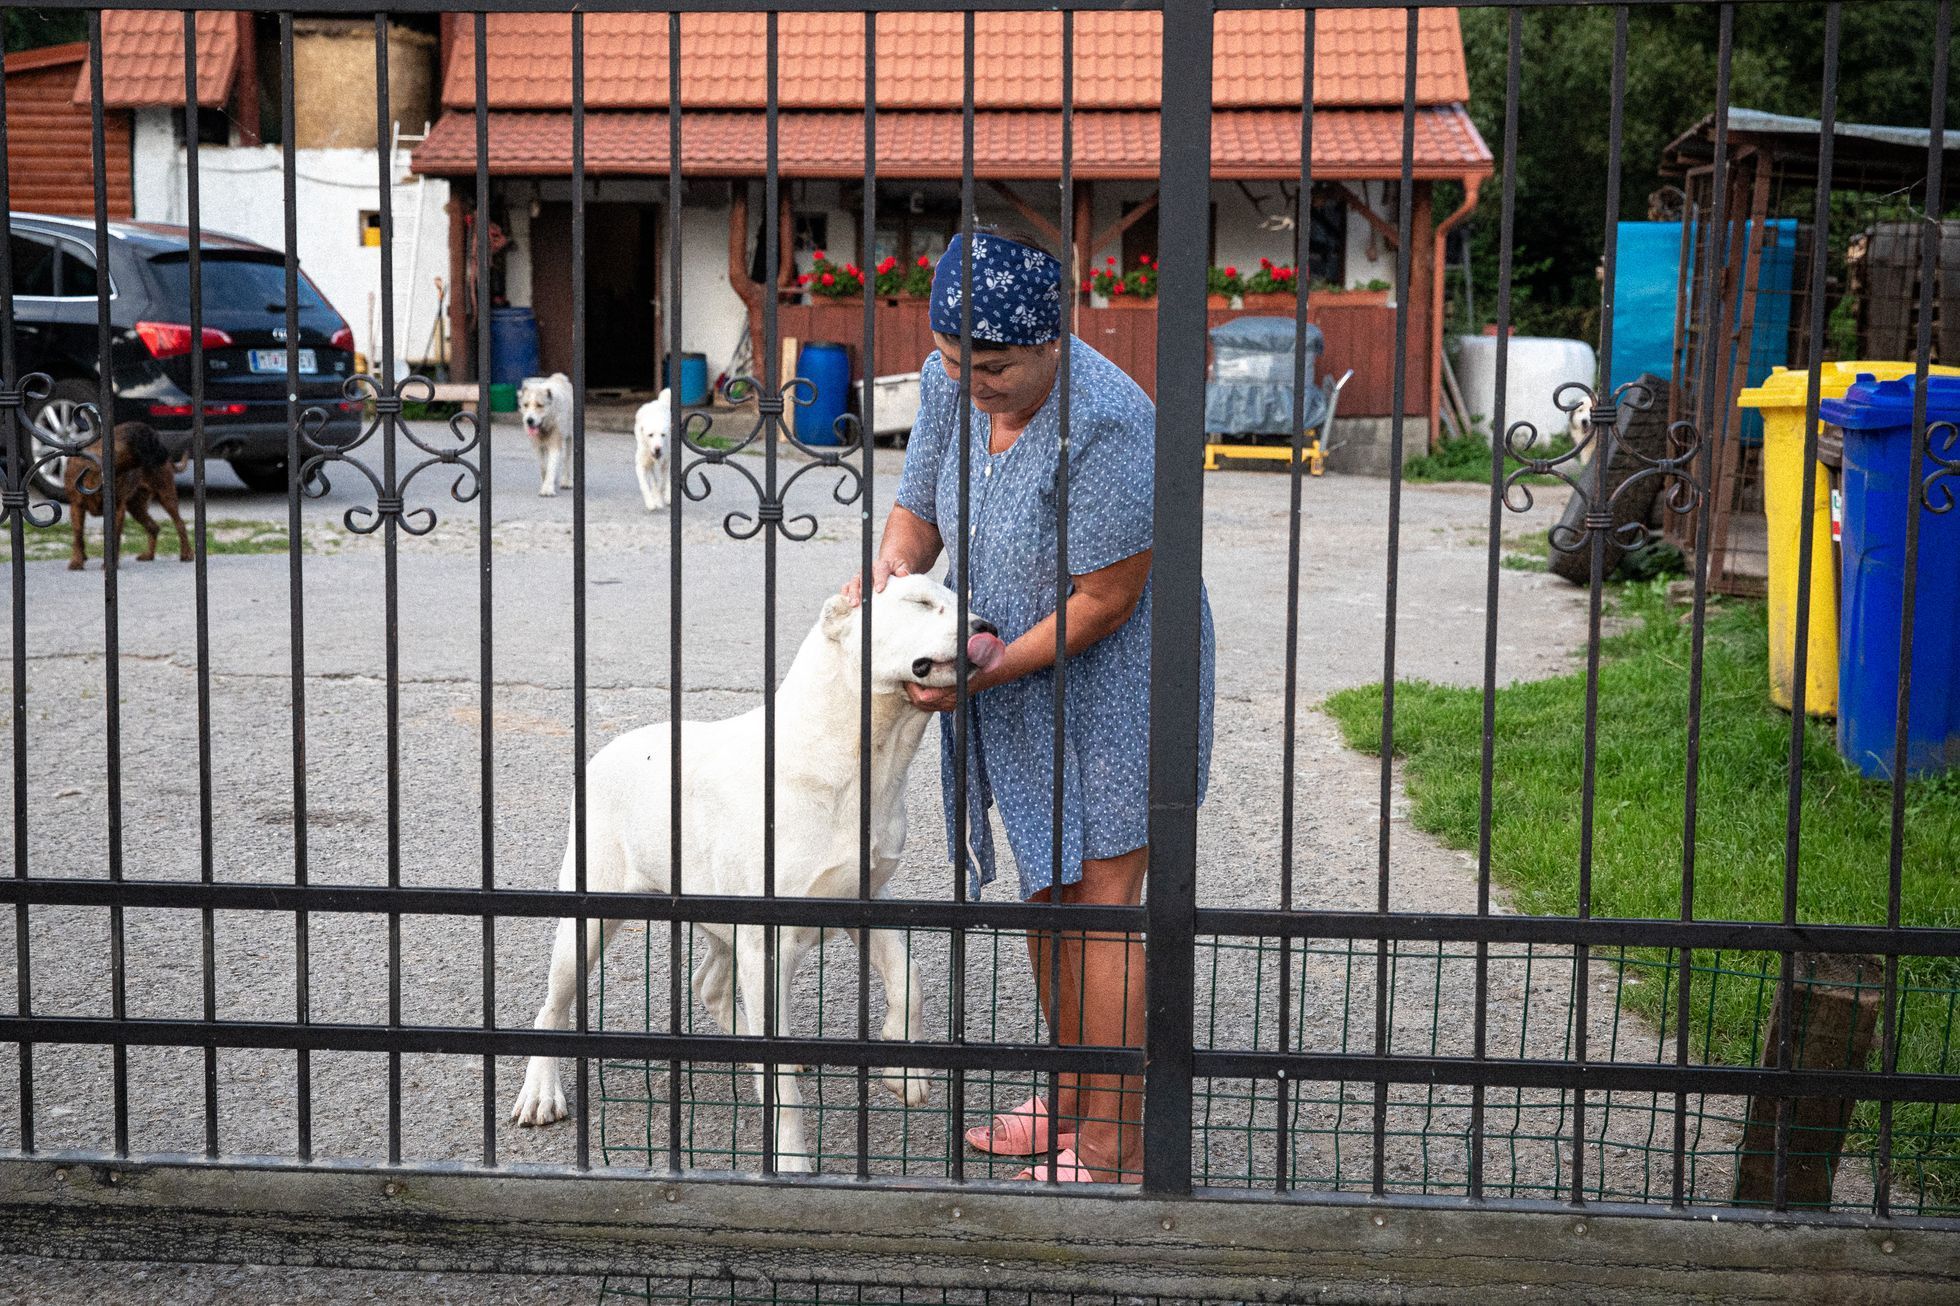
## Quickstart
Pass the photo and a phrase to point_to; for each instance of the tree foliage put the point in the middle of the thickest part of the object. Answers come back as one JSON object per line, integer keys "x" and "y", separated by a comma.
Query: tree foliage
{"x": 30, "y": 29}
{"x": 1564, "y": 116}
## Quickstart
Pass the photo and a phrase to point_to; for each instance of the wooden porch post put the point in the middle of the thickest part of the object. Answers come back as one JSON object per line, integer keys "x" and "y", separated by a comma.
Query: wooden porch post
{"x": 461, "y": 364}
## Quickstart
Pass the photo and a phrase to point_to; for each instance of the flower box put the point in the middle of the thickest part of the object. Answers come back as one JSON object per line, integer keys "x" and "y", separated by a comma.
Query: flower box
{"x": 1269, "y": 301}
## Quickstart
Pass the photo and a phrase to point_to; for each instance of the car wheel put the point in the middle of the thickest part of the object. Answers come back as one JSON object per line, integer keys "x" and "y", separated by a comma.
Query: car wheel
{"x": 59, "y": 418}
{"x": 265, "y": 475}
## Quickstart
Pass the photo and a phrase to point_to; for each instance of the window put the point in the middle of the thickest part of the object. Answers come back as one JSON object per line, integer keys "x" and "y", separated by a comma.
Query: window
{"x": 77, "y": 273}
{"x": 33, "y": 266}
{"x": 231, "y": 284}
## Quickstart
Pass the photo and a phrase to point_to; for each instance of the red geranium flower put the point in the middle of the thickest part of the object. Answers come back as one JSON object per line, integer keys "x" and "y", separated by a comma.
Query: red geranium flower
{"x": 1118, "y": 289}
{"x": 1085, "y": 287}
{"x": 1231, "y": 272}
{"x": 1111, "y": 260}
{"x": 924, "y": 262}
{"x": 828, "y": 279}
{"x": 803, "y": 280}
{"x": 818, "y": 256}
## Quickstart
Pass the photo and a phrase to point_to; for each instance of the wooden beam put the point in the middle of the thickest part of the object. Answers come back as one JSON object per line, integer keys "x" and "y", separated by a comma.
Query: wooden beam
{"x": 1115, "y": 230}
{"x": 1359, "y": 203}
{"x": 1832, "y": 1017}
{"x": 1034, "y": 217}
{"x": 931, "y": 1234}
{"x": 461, "y": 355}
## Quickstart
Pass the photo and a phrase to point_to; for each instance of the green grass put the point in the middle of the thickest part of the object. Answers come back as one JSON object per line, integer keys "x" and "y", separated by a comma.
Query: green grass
{"x": 1739, "y": 851}
{"x": 221, "y": 535}
{"x": 1467, "y": 458}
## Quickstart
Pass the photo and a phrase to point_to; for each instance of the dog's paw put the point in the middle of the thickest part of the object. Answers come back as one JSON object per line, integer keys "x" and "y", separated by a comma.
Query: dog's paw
{"x": 908, "y": 1086}
{"x": 547, "y": 492}
{"x": 540, "y": 1103}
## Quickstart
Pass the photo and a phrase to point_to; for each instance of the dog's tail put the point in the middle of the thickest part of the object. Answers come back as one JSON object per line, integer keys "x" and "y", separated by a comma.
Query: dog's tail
{"x": 144, "y": 444}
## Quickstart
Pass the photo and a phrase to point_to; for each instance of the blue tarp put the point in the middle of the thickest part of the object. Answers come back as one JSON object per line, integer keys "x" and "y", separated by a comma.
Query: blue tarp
{"x": 1646, "y": 279}
{"x": 1251, "y": 387}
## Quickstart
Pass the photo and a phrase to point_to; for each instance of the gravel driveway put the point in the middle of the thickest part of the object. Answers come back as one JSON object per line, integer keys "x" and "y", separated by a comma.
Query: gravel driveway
{"x": 1440, "y": 637}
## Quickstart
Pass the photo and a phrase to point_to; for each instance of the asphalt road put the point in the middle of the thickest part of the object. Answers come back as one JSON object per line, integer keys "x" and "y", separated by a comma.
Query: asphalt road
{"x": 345, "y": 619}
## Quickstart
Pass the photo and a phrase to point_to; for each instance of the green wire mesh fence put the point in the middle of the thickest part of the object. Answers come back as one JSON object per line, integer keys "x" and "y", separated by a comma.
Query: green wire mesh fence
{"x": 1530, "y": 1011}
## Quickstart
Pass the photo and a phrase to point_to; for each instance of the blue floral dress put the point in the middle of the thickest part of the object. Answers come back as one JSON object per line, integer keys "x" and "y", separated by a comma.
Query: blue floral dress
{"x": 1012, "y": 526}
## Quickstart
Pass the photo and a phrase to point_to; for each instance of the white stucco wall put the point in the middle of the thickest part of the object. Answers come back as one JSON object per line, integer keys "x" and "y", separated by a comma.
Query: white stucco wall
{"x": 241, "y": 193}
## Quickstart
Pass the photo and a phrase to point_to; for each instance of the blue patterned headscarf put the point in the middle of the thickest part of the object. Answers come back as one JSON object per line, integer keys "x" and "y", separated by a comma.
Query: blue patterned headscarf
{"x": 1017, "y": 292}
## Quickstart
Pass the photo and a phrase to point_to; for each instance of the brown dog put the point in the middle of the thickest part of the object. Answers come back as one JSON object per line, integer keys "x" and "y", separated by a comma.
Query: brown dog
{"x": 144, "y": 471}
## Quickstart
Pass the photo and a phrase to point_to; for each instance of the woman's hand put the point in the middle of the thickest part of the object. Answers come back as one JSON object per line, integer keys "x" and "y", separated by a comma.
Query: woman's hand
{"x": 882, "y": 570}
{"x": 928, "y": 698}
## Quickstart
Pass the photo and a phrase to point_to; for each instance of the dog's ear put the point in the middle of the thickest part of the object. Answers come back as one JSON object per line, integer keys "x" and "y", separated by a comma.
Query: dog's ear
{"x": 836, "y": 617}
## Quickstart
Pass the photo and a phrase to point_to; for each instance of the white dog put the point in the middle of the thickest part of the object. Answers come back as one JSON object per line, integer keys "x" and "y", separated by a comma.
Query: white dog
{"x": 546, "y": 404}
{"x": 651, "y": 426}
{"x": 915, "y": 639}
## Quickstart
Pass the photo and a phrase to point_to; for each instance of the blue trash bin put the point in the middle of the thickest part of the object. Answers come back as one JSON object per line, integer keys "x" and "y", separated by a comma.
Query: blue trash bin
{"x": 1880, "y": 487}
{"x": 826, "y": 366}
{"x": 513, "y": 345}
{"x": 694, "y": 378}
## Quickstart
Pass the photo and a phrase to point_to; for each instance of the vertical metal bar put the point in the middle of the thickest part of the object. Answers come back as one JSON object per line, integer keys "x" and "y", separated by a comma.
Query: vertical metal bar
{"x": 485, "y": 611}
{"x": 1404, "y": 223}
{"x": 295, "y": 593}
{"x": 1177, "y": 590}
{"x": 20, "y": 455}
{"x": 579, "y": 858}
{"x": 676, "y": 471}
{"x": 1063, "y": 582}
{"x": 384, "y": 139}
{"x": 1799, "y": 666}
{"x": 868, "y": 260}
{"x": 206, "y": 852}
{"x": 111, "y": 555}
{"x": 1598, "y": 524}
{"x": 1714, "y": 336}
{"x": 1302, "y": 378}
{"x": 772, "y": 391}
{"x": 1931, "y": 241}
{"x": 1506, "y": 233}
{"x": 962, "y": 817}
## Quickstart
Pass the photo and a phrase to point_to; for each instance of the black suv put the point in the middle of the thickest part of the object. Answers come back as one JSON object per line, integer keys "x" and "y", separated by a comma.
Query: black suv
{"x": 244, "y": 284}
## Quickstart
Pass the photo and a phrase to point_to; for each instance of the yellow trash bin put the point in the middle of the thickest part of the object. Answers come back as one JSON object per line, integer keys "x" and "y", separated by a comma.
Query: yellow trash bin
{"x": 1781, "y": 398}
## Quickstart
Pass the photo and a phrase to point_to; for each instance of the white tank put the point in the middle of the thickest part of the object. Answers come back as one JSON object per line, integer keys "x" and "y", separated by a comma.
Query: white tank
{"x": 1538, "y": 366}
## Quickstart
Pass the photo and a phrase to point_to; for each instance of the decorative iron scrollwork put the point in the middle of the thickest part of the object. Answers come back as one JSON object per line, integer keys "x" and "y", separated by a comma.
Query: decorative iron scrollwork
{"x": 390, "y": 490}
{"x": 1672, "y": 470}
{"x": 21, "y": 471}
{"x": 1946, "y": 464}
{"x": 770, "y": 424}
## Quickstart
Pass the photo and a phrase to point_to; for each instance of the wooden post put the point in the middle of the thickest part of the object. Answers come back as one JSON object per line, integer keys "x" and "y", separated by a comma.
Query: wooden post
{"x": 461, "y": 352}
{"x": 1832, "y": 1016}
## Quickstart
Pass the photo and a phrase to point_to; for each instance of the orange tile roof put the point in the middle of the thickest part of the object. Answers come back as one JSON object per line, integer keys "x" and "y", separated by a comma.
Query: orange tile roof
{"x": 1017, "y": 58}
{"x": 143, "y": 58}
{"x": 1109, "y": 144}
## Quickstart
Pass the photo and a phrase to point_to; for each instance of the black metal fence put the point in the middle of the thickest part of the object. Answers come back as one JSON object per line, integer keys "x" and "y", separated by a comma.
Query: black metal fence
{"x": 675, "y": 1215}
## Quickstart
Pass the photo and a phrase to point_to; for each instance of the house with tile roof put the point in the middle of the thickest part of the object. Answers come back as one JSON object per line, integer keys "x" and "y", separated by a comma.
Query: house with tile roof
{"x": 722, "y": 93}
{"x": 240, "y": 163}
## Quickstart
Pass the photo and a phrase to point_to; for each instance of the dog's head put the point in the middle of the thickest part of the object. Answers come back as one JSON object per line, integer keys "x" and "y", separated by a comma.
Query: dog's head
{"x": 653, "y": 420}
{"x": 534, "y": 403}
{"x": 915, "y": 634}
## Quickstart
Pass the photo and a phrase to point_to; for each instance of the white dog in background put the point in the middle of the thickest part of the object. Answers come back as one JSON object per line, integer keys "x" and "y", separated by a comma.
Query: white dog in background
{"x": 916, "y": 638}
{"x": 651, "y": 427}
{"x": 546, "y": 405}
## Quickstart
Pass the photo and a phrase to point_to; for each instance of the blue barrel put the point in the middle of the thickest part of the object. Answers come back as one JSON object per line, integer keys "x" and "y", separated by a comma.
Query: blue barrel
{"x": 694, "y": 378}
{"x": 513, "y": 345}
{"x": 1881, "y": 487}
{"x": 826, "y": 366}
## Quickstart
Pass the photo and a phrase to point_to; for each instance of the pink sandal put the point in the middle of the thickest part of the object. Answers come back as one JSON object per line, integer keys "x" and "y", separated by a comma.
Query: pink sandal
{"x": 1068, "y": 1167}
{"x": 1020, "y": 1132}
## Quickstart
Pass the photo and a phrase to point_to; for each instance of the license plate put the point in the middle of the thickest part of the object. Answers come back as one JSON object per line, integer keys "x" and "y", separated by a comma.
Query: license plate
{"x": 274, "y": 360}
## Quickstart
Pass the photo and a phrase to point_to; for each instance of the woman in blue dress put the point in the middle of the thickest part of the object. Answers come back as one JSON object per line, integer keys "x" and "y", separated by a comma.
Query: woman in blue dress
{"x": 1011, "y": 556}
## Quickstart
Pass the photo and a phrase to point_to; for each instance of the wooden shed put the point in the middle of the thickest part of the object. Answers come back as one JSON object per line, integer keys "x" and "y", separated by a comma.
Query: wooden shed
{"x": 48, "y": 137}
